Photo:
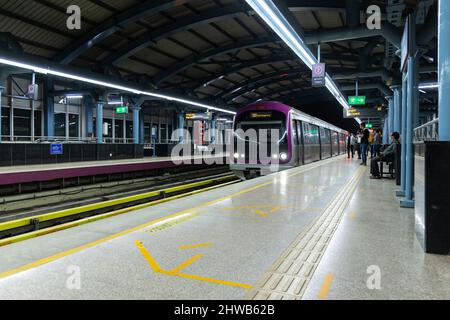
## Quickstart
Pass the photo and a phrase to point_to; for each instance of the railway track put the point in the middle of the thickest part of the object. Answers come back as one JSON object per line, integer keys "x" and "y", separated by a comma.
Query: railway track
{"x": 19, "y": 225}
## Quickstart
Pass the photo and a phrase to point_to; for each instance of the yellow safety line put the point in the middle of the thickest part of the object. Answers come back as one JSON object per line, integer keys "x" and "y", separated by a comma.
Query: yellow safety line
{"x": 175, "y": 272}
{"x": 262, "y": 214}
{"x": 195, "y": 246}
{"x": 323, "y": 294}
{"x": 76, "y": 223}
{"x": 145, "y": 225}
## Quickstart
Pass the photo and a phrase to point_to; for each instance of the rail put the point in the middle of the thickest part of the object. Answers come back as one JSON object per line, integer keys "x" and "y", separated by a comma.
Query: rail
{"x": 38, "y": 225}
{"x": 427, "y": 132}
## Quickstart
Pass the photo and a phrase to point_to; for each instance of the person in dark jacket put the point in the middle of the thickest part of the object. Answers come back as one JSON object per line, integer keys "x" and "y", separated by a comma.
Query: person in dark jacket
{"x": 386, "y": 155}
{"x": 364, "y": 144}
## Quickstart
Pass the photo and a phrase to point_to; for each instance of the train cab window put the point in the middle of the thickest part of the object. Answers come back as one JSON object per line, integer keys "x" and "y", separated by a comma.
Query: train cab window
{"x": 310, "y": 134}
{"x": 267, "y": 120}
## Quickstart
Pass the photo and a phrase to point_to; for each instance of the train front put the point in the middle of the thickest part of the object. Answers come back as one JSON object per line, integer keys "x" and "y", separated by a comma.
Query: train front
{"x": 262, "y": 140}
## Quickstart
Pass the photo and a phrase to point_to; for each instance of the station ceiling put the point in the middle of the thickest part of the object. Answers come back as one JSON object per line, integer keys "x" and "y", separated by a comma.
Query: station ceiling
{"x": 218, "y": 50}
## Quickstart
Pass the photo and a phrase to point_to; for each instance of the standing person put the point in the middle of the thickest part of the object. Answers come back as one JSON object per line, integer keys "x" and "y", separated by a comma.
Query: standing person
{"x": 358, "y": 144}
{"x": 370, "y": 143}
{"x": 364, "y": 144}
{"x": 351, "y": 145}
{"x": 377, "y": 141}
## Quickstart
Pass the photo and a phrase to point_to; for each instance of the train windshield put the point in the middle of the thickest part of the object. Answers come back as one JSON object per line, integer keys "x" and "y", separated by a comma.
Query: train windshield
{"x": 271, "y": 124}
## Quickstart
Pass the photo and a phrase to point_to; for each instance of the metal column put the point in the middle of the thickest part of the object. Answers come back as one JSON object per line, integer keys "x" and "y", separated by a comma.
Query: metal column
{"x": 385, "y": 131}
{"x": 49, "y": 110}
{"x": 397, "y": 109}
{"x": 444, "y": 70}
{"x": 413, "y": 91}
{"x": 136, "y": 124}
{"x": 1, "y": 93}
{"x": 99, "y": 122}
{"x": 391, "y": 117}
{"x": 180, "y": 127}
{"x": 402, "y": 191}
{"x": 141, "y": 127}
{"x": 213, "y": 129}
{"x": 88, "y": 116}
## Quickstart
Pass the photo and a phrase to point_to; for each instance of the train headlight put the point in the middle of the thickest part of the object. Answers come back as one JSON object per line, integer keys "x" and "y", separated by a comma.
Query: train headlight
{"x": 275, "y": 156}
{"x": 283, "y": 156}
{"x": 236, "y": 155}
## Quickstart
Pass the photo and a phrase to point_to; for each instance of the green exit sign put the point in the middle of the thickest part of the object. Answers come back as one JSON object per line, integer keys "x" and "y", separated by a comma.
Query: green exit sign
{"x": 357, "y": 100}
{"x": 369, "y": 126}
{"x": 121, "y": 110}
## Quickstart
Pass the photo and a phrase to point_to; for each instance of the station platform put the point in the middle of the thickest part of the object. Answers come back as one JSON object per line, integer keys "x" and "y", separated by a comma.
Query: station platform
{"x": 313, "y": 232}
{"x": 48, "y": 172}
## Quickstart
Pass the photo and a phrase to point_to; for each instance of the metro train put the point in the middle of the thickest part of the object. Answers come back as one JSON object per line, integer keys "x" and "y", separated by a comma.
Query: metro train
{"x": 302, "y": 139}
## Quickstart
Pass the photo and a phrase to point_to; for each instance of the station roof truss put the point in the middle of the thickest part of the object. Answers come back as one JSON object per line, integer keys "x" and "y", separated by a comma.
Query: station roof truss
{"x": 217, "y": 50}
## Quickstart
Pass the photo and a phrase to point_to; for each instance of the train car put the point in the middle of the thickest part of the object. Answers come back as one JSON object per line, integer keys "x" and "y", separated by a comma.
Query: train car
{"x": 302, "y": 139}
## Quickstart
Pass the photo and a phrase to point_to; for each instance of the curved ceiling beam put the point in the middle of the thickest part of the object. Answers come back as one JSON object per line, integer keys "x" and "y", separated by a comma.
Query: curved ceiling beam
{"x": 112, "y": 25}
{"x": 290, "y": 88}
{"x": 382, "y": 88}
{"x": 266, "y": 60}
{"x": 262, "y": 81}
{"x": 194, "y": 59}
{"x": 203, "y": 18}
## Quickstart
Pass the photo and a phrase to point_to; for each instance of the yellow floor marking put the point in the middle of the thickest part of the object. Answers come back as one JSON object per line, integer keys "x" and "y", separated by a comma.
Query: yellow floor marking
{"x": 261, "y": 213}
{"x": 194, "y": 246}
{"x": 323, "y": 294}
{"x": 186, "y": 264}
{"x": 175, "y": 272}
{"x": 277, "y": 208}
{"x": 66, "y": 253}
{"x": 352, "y": 215}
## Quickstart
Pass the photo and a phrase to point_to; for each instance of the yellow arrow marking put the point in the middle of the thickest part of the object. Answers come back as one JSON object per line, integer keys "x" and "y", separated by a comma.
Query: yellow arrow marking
{"x": 175, "y": 272}
{"x": 194, "y": 246}
{"x": 262, "y": 214}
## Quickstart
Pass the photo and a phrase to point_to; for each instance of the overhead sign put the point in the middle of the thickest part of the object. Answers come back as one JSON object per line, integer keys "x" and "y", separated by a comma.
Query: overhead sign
{"x": 33, "y": 91}
{"x": 318, "y": 75}
{"x": 198, "y": 116}
{"x": 121, "y": 110}
{"x": 369, "y": 126}
{"x": 357, "y": 100}
{"x": 363, "y": 113}
{"x": 56, "y": 149}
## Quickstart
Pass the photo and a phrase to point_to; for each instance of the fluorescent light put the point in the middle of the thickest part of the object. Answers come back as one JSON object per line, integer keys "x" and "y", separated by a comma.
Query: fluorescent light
{"x": 269, "y": 12}
{"x": 429, "y": 85}
{"x": 49, "y": 71}
{"x": 70, "y": 96}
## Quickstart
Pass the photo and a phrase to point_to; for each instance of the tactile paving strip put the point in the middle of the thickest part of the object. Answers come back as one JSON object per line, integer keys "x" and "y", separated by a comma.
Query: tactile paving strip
{"x": 290, "y": 275}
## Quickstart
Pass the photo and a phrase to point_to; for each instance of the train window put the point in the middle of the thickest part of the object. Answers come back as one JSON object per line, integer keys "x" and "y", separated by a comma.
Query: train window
{"x": 263, "y": 121}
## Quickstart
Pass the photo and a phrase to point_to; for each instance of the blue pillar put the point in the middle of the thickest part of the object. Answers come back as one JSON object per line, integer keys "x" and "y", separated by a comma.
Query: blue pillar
{"x": 444, "y": 70}
{"x": 402, "y": 191}
{"x": 385, "y": 131}
{"x": 397, "y": 109}
{"x": 1, "y": 93}
{"x": 88, "y": 116}
{"x": 413, "y": 91}
{"x": 141, "y": 128}
{"x": 391, "y": 117}
{"x": 99, "y": 122}
{"x": 214, "y": 129}
{"x": 49, "y": 114}
{"x": 180, "y": 127}
{"x": 136, "y": 123}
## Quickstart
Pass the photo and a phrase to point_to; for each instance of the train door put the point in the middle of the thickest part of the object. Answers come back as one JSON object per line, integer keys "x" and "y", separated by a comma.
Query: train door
{"x": 301, "y": 143}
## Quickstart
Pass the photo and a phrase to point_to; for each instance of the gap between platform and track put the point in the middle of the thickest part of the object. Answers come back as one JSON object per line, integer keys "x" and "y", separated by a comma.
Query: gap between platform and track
{"x": 158, "y": 221}
{"x": 291, "y": 273}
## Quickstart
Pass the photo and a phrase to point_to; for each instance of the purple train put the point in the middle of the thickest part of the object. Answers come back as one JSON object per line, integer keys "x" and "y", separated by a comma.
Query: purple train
{"x": 302, "y": 139}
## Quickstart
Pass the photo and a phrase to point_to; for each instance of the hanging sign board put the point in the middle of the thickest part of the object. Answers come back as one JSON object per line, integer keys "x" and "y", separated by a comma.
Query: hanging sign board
{"x": 357, "y": 100}
{"x": 318, "y": 75}
{"x": 121, "y": 110}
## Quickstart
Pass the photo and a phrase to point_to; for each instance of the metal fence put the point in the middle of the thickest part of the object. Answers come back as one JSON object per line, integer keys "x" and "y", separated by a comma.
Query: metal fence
{"x": 427, "y": 132}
